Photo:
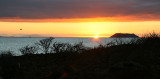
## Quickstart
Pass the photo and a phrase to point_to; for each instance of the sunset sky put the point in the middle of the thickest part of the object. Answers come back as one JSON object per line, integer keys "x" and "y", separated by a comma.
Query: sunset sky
{"x": 78, "y": 18}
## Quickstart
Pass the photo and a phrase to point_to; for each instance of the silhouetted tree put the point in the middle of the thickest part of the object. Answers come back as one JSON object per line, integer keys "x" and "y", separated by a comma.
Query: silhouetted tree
{"x": 79, "y": 47}
{"x": 28, "y": 50}
{"x": 44, "y": 44}
{"x": 58, "y": 47}
{"x": 66, "y": 47}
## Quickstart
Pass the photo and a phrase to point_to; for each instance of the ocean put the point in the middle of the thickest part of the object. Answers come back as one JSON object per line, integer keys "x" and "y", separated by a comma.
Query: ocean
{"x": 15, "y": 43}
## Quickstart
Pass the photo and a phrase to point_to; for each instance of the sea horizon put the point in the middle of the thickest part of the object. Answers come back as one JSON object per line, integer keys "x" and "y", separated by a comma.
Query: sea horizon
{"x": 48, "y": 37}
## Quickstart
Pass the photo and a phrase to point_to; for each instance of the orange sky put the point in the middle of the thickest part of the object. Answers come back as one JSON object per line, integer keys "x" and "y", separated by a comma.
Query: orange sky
{"x": 78, "y": 18}
{"x": 76, "y": 29}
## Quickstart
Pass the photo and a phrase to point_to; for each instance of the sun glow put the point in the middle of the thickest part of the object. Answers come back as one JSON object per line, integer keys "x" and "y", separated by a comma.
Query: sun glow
{"x": 96, "y": 37}
{"x": 82, "y": 29}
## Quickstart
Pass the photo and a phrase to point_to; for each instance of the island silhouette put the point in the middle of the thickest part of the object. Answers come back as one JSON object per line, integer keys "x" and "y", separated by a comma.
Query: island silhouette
{"x": 124, "y": 35}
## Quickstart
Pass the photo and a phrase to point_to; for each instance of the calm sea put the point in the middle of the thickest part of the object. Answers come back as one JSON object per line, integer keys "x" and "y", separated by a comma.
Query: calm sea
{"x": 15, "y": 43}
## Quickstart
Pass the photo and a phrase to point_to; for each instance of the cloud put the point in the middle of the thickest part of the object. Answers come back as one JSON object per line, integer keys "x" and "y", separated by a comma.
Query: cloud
{"x": 69, "y": 9}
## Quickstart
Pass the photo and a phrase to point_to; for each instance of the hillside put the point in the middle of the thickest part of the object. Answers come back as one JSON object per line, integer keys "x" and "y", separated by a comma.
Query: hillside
{"x": 135, "y": 60}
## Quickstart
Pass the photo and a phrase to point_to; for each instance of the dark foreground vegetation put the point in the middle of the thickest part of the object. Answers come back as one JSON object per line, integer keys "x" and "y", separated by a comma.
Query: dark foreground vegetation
{"x": 138, "y": 59}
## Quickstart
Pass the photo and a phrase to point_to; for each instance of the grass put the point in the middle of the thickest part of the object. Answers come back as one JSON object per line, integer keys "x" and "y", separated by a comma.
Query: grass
{"x": 138, "y": 59}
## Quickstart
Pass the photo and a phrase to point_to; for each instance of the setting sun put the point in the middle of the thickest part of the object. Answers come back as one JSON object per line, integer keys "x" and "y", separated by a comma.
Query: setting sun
{"x": 96, "y": 37}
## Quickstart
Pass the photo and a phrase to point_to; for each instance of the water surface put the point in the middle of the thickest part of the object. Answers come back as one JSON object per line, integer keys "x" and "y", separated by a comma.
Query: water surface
{"x": 15, "y": 43}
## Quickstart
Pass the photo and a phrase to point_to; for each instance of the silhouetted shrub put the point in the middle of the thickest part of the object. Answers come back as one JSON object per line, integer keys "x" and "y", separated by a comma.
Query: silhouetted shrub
{"x": 120, "y": 41}
{"x": 152, "y": 35}
{"x": 28, "y": 50}
{"x": 142, "y": 54}
{"x": 57, "y": 47}
{"x": 149, "y": 39}
{"x": 44, "y": 44}
{"x": 6, "y": 53}
{"x": 79, "y": 47}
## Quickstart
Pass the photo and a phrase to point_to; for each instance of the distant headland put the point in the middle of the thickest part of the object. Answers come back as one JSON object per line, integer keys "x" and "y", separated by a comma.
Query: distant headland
{"x": 124, "y": 35}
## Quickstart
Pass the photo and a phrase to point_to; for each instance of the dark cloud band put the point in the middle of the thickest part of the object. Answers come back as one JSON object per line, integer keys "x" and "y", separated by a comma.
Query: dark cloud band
{"x": 67, "y": 9}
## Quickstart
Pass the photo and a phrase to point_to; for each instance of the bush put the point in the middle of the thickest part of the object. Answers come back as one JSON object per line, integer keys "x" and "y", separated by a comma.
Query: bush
{"x": 152, "y": 35}
{"x": 79, "y": 47}
{"x": 149, "y": 39}
{"x": 140, "y": 54}
{"x": 57, "y": 47}
{"x": 28, "y": 50}
{"x": 6, "y": 53}
{"x": 44, "y": 44}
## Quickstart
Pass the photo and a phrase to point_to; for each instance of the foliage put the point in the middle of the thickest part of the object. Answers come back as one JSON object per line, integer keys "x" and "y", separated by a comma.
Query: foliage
{"x": 79, "y": 47}
{"x": 28, "y": 50}
{"x": 6, "y": 53}
{"x": 57, "y": 47}
{"x": 137, "y": 59}
{"x": 44, "y": 44}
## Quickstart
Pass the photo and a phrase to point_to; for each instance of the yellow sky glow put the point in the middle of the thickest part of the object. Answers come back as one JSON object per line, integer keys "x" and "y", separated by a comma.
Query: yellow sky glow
{"x": 77, "y": 29}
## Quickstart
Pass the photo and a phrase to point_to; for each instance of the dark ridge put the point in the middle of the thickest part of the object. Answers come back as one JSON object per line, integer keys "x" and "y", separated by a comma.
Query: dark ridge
{"x": 138, "y": 59}
{"x": 124, "y": 35}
